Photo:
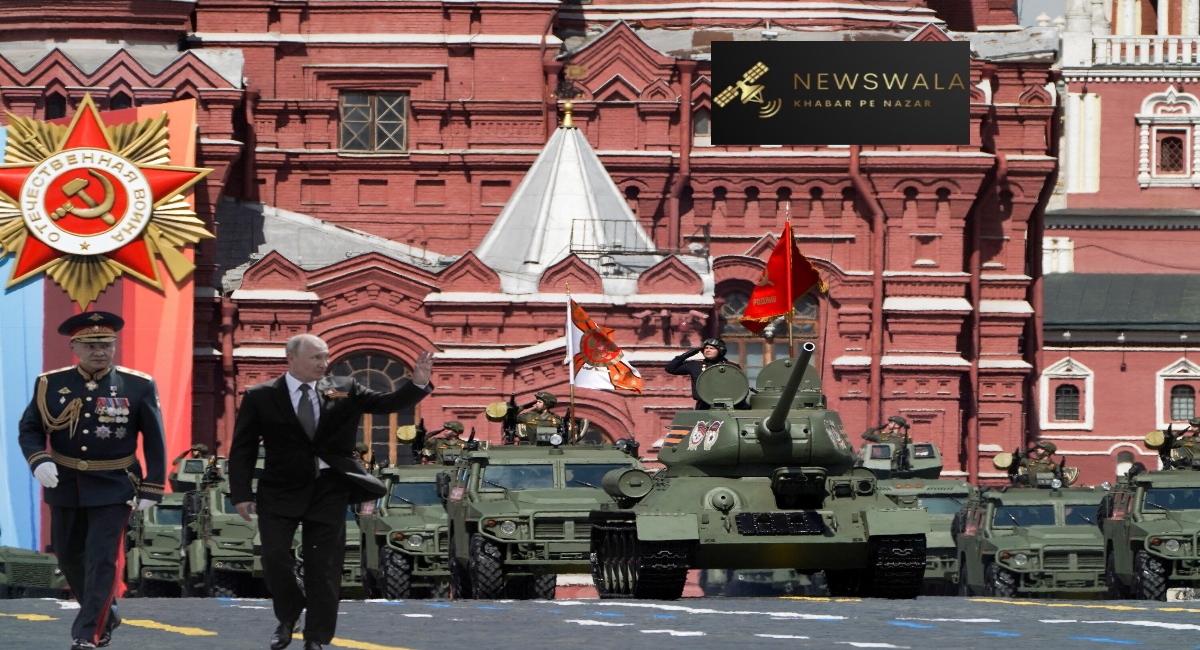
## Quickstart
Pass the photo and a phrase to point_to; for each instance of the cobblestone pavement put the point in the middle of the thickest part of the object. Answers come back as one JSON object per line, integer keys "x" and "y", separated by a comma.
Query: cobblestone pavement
{"x": 693, "y": 623}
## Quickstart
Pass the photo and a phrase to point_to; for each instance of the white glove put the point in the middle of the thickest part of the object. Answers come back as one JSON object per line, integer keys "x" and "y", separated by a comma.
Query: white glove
{"x": 140, "y": 504}
{"x": 46, "y": 474}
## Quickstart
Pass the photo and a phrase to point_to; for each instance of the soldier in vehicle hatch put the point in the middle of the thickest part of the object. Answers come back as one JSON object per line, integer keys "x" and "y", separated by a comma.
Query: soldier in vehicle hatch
{"x": 896, "y": 430}
{"x": 1038, "y": 460}
{"x": 713, "y": 351}
{"x": 540, "y": 416}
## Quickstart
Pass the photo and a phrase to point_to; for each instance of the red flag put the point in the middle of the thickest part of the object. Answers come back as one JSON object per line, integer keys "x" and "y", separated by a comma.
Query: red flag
{"x": 777, "y": 290}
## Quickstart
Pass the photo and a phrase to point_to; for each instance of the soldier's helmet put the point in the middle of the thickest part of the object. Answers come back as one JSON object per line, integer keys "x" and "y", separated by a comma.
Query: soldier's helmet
{"x": 716, "y": 343}
{"x": 898, "y": 420}
{"x": 362, "y": 448}
{"x": 547, "y": 398}
{"x": 1194, "y": 422}
{"x": 1049, "y": 447}
{"x": 453, "y": 425}
{"x": 200, "y": 447}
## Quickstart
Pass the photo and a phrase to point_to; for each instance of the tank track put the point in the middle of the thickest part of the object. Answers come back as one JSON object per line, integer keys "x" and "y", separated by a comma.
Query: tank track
{"x": 625, "y": 567}
{"x": 897, "y": 566}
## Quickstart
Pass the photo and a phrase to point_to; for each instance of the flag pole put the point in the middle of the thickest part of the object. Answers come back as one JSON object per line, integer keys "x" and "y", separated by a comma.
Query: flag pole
{"x": 787, "y": 231}
{"x": 570, "y": 371}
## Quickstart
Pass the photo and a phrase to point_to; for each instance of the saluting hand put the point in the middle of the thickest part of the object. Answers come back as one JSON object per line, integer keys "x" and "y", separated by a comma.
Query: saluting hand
{"x": 423, "y": 370}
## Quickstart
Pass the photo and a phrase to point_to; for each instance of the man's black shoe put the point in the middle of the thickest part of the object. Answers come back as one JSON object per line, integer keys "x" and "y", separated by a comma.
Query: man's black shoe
{"x": 312, "y": 645}
{"x": 282, "y": 636}
{"x": 82, "y": 644}
{"x": 106, "y": 635}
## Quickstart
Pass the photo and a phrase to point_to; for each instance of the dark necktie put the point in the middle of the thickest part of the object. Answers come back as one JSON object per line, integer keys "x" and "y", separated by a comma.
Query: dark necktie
{"x": 304, "y": 411}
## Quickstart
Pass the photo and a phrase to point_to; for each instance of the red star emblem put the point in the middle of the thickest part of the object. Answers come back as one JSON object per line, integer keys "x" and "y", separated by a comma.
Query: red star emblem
{"x": 90, "y": 197}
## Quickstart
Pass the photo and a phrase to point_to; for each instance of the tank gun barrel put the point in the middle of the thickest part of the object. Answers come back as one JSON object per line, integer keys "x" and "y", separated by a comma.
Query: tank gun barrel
{"x": 776, "y": 422}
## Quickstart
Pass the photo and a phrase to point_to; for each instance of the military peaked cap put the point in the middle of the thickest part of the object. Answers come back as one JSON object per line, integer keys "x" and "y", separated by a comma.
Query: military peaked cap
{"x": 92, "y": 327}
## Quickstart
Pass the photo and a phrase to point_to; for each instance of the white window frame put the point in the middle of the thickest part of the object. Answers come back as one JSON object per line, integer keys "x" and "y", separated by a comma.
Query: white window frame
{"x": 1171, "y": 111}
{"x": 1058, "y": 255}
{"x": 1181, "y": 370}
{"x": 1069, "y": 369}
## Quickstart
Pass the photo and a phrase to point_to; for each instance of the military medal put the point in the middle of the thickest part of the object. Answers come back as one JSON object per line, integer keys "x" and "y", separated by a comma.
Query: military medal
{"x": 103, "y": 432}
{"x": 92, "y": 385}
{"x": 62, "y": 400}
{"x": 120, "y": 433}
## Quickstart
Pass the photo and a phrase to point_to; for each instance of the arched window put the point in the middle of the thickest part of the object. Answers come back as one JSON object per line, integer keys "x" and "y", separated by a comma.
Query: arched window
{"x": 753, "y": 351}
{"x": 1066, "y": 402}
{"x": 595, "y": 435}
{"x": 120, "y": 101}
{"x": 1183, "y": 403}
{"x": 56, "y": 107}
{"x": 1170, "y": 155}
{"x": 702, "y": 127}
{"x": 381, "y": 372}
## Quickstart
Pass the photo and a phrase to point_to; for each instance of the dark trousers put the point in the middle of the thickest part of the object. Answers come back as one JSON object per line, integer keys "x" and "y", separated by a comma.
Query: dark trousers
{"x": 323, "y": 535}
{"x": 88, "y": 542}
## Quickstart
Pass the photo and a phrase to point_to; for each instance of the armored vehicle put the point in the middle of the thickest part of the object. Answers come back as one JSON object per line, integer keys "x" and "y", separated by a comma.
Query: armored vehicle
{"x": 220, "y": 549}
{"x": 189, "y": 475}
{"x": 152, "y": 560}
{"x": 772, "y": 486}
{"x": 1151, "y": 524}
{"x": 28, "y": 574}
{"x": 519, "y": 514}
{"x": 1030, "y": 541}
{"x": 404, "y": 538}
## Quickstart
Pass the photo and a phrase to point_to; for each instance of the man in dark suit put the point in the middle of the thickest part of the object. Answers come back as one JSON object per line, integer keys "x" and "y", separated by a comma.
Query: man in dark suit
{"x": 307, "y": 424}
{"x": 90, "y": 416}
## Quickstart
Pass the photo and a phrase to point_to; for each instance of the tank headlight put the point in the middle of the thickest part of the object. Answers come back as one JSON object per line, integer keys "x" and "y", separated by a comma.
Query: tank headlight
{"x": 1172, "y": 545}
{"x": 1020, "y": 559}
{"x": 415, "y": 540}
{"x": 865, "y": 487}
{"x": 508, "y": 527}
{"x": 1055, "y": 483}
{"x": 556, "y": 439}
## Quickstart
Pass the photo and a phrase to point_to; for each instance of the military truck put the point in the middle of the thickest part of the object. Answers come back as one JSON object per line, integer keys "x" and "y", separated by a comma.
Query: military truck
{"x": 518, "y": 514}
{"x": 29, "y": 574}
{"x": 153, "y": 566}
{"x": 405, "y": 537}
{"x": 772, "y": 486}
{"x": 1151, "y": 523}
{"x": 1016, "y": 541}
{"x": 220, "y": 549}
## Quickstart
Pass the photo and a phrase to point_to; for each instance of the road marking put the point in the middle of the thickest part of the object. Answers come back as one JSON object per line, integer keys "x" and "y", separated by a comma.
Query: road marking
{"x": 248, "y": 606}
{"x": 780, "y": 636}
{"x": 1169, "y": 626}
{"x": 155, "y": 625}
{"x": 1004, "y": 601}
{"x": 1099, "y": 639}
{"x": 31, "y": 617}
{"x": 858, "y": 644}
{"x": 1001, "y": 633}
{"x": 584, "y": 621}
{"x": 673, "y": 632}
{"x": 916, "y": 626}
{"x": 357, "y": 645}
{"x": 823, "y": 599}
{"x": 705, "y": 610}
{"x": 949, "y": 620}
{"x": 419, "y": 615}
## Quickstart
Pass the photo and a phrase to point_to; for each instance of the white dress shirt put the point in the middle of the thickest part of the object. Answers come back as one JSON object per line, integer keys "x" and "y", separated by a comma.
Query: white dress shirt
{"x": 294, "y": 392}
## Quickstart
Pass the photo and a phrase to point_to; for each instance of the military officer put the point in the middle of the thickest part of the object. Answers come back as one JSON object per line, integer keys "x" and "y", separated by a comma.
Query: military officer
{"x": 539, "y": 416}
{"x": 81, "y": 434}
{"x": 894, "y": 431}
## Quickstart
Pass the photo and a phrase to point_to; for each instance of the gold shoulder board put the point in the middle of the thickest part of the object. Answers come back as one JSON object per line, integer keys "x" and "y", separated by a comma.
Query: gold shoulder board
{"x": 135, "y": 373}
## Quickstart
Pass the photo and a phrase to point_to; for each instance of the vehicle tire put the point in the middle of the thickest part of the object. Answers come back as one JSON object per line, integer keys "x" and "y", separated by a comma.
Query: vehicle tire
{"x": 1116, "y": 590}
{"x": 998, "y": 582}
{"x": 220, "y": 584}
{"x": 845, "y": 582}
{"x": 440, "y": 589}
{"x": 395, "y": 571}
{"x": 1149, "y": 577}
{"x": 486, "y": 569}
{"x": 540, "y": 587}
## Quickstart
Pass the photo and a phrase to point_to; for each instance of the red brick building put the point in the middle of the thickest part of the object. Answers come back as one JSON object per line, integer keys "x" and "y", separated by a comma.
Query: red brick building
{"x": 365, "y": 151}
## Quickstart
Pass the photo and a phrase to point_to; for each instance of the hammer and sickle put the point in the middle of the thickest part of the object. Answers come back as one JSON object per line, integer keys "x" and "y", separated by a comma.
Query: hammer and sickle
{"x": 765, "y": 281}
{"x": 75, "y": 188}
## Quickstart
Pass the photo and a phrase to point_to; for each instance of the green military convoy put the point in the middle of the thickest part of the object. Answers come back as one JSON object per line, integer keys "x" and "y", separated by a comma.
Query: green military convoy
{"x": 763, "y": 493}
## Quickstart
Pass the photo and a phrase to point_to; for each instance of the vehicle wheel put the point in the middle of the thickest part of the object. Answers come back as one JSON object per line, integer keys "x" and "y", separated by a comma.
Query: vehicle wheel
{"x": 460, "y": 580}
{"x": 1149, "y": 577}
{"x": 396, "y": 573}
{"x": 221, "y": 584}
{"x": 540, "y": 587}
{"x": 1116, "y": 590}
{"x": 153, "y": 589}
{"x": 486, "y": 569}
{"x": 999, "y": 583}
{"x": 847, "y": 582}
{"x": 440, "y": 589}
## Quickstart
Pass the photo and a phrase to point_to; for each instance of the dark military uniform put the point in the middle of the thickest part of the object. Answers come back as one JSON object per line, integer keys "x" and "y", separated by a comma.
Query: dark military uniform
{"x": 681, "y": 365}
{"x": 88, "y": 426}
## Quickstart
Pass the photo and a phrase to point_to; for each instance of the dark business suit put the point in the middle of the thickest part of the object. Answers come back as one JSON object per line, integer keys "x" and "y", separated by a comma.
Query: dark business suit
{"x": 291, "y": 492}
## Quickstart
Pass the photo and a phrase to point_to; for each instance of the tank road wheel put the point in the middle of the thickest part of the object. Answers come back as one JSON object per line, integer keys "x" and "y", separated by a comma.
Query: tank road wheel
{"x": 897, "y": 566}
{"x": 614, "y": 544}
{"x": 1149, "y": 577}
{"x": 660, "y": 569}
{"x": 486, "y": 568}
{"x": 1116, "y": 590}
{"x": 998, "y": 582}
{"x": 395, "y": 572}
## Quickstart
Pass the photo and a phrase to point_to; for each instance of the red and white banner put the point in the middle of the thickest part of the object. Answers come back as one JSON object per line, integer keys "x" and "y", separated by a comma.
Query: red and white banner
{"x": 595, "y": 360}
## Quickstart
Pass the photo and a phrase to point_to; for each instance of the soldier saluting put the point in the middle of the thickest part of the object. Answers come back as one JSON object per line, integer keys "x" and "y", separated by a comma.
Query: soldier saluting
{"x": 713, "y": 353}
{"x": 80, "y": 435}
{"x": 540, "y": 415}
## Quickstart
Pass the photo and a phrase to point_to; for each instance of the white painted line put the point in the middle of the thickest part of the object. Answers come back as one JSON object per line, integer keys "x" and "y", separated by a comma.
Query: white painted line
{"x": 1169, "y": 626}
{"x": 673, "y": 632}
{"x": 257, "y": 607}
{"x": 952, "y": 620}
{"x": 419, "y": 615}
{"x": 584, "y": 621}
{"x": 872, "y": 645}
{"x": 68, "y": 604}
{"x": 704, "y": 610}
{"x": 780, "y": 636}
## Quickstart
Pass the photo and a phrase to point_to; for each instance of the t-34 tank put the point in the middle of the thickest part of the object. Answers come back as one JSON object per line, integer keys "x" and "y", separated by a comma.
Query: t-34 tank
{"x": 772, "y": 486}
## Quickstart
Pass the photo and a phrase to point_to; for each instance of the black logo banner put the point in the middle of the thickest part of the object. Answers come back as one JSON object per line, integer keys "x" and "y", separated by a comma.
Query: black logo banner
{"x": 820, "y": 92}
